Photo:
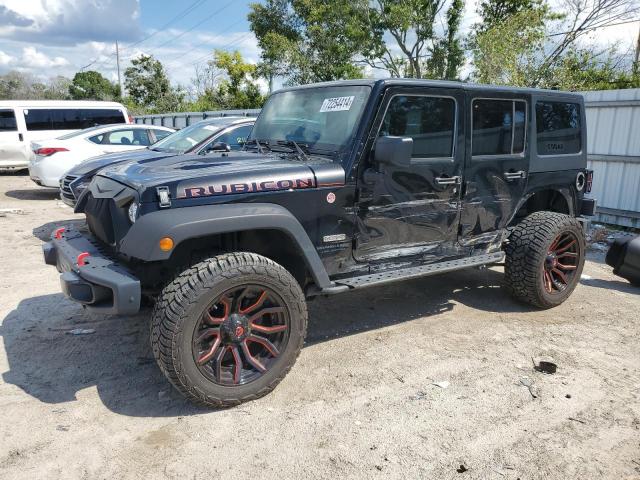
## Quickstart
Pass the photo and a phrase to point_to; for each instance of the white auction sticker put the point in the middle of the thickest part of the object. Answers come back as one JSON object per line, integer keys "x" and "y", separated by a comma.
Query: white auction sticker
{"x": 336, "y": 104}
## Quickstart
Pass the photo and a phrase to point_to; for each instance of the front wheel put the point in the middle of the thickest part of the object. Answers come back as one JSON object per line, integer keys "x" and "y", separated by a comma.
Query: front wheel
{"x": 229, "y": 328}
{"x": 544, "y": 258}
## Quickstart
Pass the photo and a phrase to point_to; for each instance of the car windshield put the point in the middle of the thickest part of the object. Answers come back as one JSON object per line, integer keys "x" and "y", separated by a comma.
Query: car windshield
{"x": 323, "y": 119}
{"x": 184, "y": 140}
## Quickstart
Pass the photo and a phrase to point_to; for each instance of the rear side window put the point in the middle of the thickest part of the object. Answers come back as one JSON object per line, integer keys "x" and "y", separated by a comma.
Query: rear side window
{"x": 7, "y": 121}
{"x": 70, "y": 118}
{"x": 558, "y": 128}
{"x": 135, "y": 137}
{"x": 499, "y": 127}
{"x": 429, "y": 121}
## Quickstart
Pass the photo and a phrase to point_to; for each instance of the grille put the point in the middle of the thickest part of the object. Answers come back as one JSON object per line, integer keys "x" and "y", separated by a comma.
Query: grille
{"x": 65, "y": 189}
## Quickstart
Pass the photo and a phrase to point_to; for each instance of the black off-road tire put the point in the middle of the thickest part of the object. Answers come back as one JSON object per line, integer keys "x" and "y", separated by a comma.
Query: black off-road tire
{"x": 183, "y": 301}
{"x": 527, "y": 250}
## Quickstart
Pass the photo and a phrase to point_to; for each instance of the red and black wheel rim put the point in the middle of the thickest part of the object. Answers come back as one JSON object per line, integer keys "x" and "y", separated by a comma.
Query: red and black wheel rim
{"x": 561, "y": 263}
{"x": 241, "y": 335}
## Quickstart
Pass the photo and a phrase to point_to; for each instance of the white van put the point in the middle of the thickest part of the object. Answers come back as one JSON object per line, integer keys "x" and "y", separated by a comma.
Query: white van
{"x": 23, "y": 121}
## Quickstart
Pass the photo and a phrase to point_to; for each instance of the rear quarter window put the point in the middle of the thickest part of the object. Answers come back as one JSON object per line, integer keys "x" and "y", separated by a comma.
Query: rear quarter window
{"x": 558, "y": 128}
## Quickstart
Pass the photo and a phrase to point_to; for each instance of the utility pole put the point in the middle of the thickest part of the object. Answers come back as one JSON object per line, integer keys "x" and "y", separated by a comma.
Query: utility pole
{"x": 636, "y": 63}
{"x": 118, "y": 65}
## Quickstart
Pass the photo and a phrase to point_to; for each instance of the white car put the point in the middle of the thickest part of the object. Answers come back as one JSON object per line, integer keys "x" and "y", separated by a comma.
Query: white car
{"x": 54, "y": 157}
{"x": 24, "y": 121}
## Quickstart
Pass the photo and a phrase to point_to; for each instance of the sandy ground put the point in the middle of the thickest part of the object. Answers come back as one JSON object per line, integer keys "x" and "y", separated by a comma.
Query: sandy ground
{"x": 361, "y": 400}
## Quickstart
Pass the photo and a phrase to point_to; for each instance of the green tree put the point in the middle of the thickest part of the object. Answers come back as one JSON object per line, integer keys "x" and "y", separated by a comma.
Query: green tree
{"x": 148, "y": 85}
{"x": 235, "y": 85}
{"x": 91, "y": 85}
{"x": 494, "y": 12}
{"x": 315, "y": 40}
{"x": 540, "y": 47}
{"x": 306, "y": 40}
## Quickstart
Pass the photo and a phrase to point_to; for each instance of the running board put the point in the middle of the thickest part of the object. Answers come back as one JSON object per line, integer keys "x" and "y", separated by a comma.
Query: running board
{"x": 382, "y": 278}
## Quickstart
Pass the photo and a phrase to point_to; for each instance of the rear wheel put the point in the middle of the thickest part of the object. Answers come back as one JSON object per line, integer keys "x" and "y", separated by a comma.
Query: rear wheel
{"x": 544, "y": 258}
{"x": 229, "y": 328}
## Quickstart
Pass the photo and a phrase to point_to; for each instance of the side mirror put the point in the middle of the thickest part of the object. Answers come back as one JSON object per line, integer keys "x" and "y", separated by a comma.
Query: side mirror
{"x": 218, "y": 147}
{"x": 393, "y": 151}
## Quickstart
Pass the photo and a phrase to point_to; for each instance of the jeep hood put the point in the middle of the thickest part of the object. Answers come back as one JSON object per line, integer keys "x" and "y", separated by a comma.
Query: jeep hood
{"x": 92, "y": 165}
{"x": 192, "y": 176}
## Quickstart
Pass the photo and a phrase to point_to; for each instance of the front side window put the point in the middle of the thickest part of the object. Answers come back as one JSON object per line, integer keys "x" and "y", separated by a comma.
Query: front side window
{"x": 324, "y": 119}
{"x": 8, "y": 121}
{"x": 137, "y": 137}
{"x": 429, "y": 121}
{"x": 558, "y": 128}
{"x": 499, "y": 127}
{"x": 160, "y": 134}
{"x": 235, "y": 138}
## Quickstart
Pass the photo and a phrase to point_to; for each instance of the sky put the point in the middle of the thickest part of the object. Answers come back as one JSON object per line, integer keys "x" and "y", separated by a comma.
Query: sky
{"x": 47, "y": 38}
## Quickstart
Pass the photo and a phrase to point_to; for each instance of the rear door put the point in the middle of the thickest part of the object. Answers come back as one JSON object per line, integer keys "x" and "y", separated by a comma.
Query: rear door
{"x": 497, "y": 164}
{"x": 413, "y": 211}
{"x": 121, "y": 140}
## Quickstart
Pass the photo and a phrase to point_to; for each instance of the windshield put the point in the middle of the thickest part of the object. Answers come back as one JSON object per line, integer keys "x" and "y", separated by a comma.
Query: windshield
{"x": 324, "y": 119}
{"x": 185, "y": 139}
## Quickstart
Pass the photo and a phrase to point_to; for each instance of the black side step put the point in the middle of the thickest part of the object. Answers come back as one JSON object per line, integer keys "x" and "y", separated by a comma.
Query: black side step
{"x": 421, "y": 271}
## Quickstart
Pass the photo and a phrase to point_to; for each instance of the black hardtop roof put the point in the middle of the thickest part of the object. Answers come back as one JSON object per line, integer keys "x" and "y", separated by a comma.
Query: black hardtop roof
{"x": 386, "y": 82}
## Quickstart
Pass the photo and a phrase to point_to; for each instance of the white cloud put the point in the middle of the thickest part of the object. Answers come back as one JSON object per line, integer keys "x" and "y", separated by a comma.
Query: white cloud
{"x": 70, "y": 22}
{"x": 5, "y": 59}
{"x": 35, "y": 59}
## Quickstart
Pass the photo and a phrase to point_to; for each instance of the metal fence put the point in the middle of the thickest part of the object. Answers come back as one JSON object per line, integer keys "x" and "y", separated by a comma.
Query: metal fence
{"x": 184, "y": 119}
{"x": 613, "y": 123}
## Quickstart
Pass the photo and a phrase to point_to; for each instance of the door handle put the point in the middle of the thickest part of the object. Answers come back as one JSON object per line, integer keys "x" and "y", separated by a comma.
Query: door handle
{"x": 20, "y": 137}
{"x": 447, "y": 180}
{"x": 515, "y": 175}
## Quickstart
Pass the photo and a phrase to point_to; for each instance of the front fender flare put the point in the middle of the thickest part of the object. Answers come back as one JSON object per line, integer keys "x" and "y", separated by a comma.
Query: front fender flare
{"x": 141, "y": 241}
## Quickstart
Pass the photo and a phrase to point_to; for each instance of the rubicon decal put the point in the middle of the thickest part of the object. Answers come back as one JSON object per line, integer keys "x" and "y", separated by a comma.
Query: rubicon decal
{"x": 193, "y": 190}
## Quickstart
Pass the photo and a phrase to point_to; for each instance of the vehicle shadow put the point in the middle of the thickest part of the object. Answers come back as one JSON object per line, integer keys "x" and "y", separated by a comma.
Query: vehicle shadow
{"x": 619, "y": 285}
{"x": 39, "y": 193}
{"x": 48, "y": 363}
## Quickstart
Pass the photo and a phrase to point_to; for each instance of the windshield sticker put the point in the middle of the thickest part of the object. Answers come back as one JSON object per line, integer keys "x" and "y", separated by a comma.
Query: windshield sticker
{"x": 336, "y": 104}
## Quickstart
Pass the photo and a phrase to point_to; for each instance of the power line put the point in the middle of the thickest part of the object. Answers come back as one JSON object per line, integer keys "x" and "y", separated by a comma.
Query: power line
{"x": 208, "y": 17}
{"x": 594, "y": 28}
{"x": 205, "y": 57}
{"x": 207, "y": 42}
{"x": 175, "y": 18}
{"x": 179, "y": 16}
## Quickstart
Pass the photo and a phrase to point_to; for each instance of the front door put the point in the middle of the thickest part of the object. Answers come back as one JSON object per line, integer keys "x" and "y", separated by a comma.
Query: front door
{"x": 413, "y": 211}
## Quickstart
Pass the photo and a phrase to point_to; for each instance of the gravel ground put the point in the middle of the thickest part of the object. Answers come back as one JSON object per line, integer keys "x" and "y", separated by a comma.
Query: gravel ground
{"x": 361, "y": 402}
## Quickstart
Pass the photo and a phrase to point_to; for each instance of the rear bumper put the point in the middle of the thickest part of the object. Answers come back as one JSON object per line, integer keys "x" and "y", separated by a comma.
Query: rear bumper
{"x": 101, "y": 284}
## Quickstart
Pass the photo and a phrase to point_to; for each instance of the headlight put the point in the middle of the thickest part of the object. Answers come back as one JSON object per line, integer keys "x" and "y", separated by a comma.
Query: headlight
{"x": 133, "y": 212}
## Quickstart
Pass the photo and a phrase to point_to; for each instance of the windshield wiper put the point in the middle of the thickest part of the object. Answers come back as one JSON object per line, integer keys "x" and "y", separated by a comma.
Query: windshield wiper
{"x": 297, "y": 146}
{"x": 256, "y": 142}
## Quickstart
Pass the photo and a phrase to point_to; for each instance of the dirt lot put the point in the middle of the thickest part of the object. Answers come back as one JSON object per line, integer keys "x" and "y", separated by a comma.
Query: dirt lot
{"x": 361, "y": 401}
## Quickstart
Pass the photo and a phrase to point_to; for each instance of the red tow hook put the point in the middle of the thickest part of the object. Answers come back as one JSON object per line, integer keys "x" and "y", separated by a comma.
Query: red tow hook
{"x": 58, "y": 233}
{"x": 82, "y": 259}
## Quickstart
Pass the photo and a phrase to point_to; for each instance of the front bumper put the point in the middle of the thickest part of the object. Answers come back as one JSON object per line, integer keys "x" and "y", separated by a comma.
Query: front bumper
{"x": 101, "y": 284}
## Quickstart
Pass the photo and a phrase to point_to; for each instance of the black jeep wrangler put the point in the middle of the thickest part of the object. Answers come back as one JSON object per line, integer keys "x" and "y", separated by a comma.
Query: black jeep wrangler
{"x": 340, "y": 186}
